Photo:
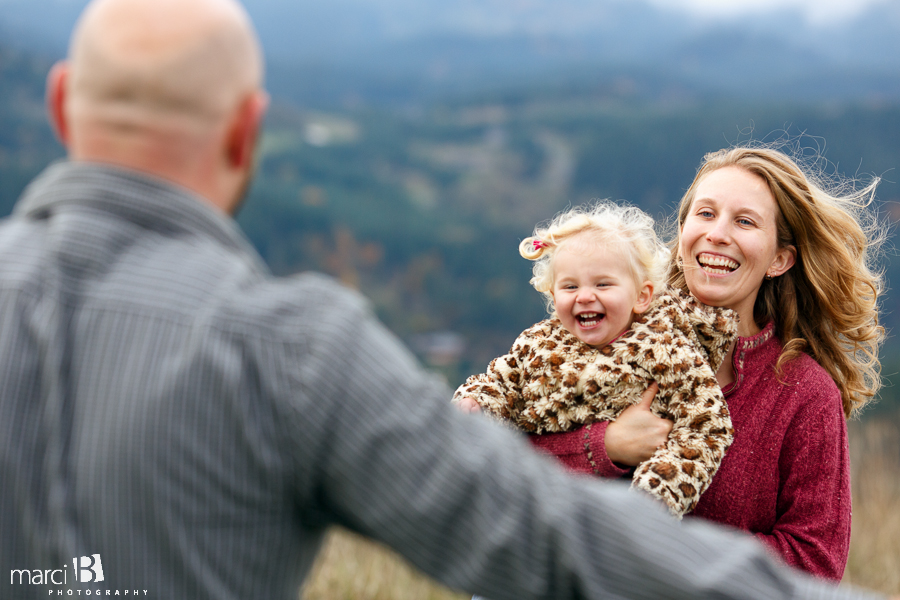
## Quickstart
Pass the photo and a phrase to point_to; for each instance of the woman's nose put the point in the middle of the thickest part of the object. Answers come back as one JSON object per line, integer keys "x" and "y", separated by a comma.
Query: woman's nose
{"x": 718, "y": 232}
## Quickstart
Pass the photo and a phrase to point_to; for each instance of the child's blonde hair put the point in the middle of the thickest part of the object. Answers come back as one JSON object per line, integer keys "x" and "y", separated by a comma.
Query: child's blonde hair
{"x": 628, "y": 226}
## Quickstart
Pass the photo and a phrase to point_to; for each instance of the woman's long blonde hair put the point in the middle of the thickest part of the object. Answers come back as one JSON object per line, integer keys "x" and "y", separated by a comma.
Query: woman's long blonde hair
{"x": 827, "y": 304}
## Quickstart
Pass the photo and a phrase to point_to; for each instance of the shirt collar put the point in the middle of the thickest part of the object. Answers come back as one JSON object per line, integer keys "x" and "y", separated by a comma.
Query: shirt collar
{"x": 141, "y": 198}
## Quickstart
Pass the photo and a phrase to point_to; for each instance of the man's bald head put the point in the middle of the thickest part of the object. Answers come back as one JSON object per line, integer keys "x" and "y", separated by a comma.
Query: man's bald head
{"x": 134, "y": 62}
{"x": 167, "y": 87}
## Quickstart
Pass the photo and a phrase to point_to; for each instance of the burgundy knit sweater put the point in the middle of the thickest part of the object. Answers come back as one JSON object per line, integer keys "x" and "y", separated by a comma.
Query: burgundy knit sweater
{"x": 786, "y": 477}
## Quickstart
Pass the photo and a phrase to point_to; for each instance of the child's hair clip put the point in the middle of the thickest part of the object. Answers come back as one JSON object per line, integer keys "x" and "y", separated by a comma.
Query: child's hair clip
{"x": 539, "y": 244}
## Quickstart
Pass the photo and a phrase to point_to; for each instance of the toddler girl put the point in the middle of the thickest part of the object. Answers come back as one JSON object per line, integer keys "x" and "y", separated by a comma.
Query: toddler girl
{"x": 614, "y": 329}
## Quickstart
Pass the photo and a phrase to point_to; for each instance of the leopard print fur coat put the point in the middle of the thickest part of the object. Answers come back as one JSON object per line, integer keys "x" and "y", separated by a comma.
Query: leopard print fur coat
{"x": 552, "y": 381}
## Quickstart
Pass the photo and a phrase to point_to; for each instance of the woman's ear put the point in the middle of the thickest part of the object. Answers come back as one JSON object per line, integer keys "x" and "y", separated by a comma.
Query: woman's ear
{"x": 645, "y": 297}
{"x": 784, "y": 260}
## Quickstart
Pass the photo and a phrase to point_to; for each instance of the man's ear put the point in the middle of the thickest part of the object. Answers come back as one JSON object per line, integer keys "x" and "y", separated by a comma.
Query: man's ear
{"x": 645, "y": 297}
{"x": 56, "y": 95}
{"x": 244, "y": 130}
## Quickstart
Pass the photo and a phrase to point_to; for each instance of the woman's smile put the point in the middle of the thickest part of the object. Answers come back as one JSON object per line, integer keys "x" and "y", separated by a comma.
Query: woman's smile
{"x": 716, "y": 264}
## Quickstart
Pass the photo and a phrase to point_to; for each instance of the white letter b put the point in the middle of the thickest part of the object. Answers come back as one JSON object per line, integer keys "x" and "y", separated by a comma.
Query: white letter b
{"x": 91, "y": 569}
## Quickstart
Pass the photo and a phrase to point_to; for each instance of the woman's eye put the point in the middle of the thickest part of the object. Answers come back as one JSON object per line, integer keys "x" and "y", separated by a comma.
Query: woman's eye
{"x": 745, "y": 222}
{"x": 707, "y": 214}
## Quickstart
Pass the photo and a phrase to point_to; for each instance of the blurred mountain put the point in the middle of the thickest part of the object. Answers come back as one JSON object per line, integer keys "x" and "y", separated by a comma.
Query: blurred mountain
{"x": 409, "y": 51}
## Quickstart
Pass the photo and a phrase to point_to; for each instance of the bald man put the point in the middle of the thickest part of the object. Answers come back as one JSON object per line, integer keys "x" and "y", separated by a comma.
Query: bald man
{"x": 175, "y": 423}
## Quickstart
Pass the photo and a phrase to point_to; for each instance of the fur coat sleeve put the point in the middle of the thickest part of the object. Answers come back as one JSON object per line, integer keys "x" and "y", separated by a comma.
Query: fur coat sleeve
{"x": 499, "y": 389}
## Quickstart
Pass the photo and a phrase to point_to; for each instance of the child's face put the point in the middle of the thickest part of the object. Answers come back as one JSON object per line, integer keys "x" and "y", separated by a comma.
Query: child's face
{"x": 595, "y": 293}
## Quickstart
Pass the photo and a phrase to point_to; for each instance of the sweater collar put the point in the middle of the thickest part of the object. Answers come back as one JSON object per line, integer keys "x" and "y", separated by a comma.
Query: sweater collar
{"x": 748, "y": 348}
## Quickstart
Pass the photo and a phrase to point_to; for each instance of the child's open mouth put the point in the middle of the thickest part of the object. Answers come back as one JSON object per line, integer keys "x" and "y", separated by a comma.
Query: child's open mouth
{"x": 589, "y": 319}
{"x": 717, "y": 265}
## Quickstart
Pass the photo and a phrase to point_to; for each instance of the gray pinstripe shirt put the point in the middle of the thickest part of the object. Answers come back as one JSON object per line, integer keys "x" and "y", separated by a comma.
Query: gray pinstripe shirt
{"x": 168, "y": 405}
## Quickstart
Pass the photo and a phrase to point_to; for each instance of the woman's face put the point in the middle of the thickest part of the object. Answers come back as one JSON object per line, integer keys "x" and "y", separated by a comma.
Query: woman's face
{"x": 729, "y": 242}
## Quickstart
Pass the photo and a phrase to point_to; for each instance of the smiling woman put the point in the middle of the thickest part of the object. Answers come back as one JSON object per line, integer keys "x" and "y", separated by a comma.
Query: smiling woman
{"x": 760, "y": 236}
{"x": 795, "y": 256}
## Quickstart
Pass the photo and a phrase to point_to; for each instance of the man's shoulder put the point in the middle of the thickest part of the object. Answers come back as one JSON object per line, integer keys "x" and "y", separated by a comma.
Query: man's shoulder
{"x": 280, "y": 305}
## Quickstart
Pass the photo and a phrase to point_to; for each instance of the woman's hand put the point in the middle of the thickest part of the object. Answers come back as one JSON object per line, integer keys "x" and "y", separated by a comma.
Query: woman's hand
{"x": 468, "y": 405}
{"x": 636, "y": 434}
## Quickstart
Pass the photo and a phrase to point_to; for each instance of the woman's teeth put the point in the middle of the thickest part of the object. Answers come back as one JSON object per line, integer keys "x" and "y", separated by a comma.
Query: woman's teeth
{"x": 717, "y": 264}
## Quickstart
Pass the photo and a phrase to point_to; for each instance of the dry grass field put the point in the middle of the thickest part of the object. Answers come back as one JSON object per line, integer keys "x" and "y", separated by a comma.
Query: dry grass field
{"x": 875, "y": 541}
{"x": 353, "y": 569}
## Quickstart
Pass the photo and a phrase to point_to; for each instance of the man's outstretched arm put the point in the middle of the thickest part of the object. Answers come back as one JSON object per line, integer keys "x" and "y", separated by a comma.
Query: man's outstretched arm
{"x": 472, "y": 505}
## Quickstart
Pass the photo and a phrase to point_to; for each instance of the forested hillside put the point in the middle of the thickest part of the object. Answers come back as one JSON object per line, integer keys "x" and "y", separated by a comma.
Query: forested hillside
{"x": 422, "y": 209}
{"x": 26, "y": 142}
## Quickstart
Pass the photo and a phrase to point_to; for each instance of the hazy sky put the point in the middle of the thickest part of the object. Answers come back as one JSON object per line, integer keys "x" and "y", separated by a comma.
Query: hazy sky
{"x": 818, "y": 11}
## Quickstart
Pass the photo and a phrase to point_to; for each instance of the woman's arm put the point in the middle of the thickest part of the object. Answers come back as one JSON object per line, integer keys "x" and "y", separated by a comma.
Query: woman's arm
{"x": 581, "y": 450}
{"x": 610, "y": 449}
{"x": 812, "y": 528}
